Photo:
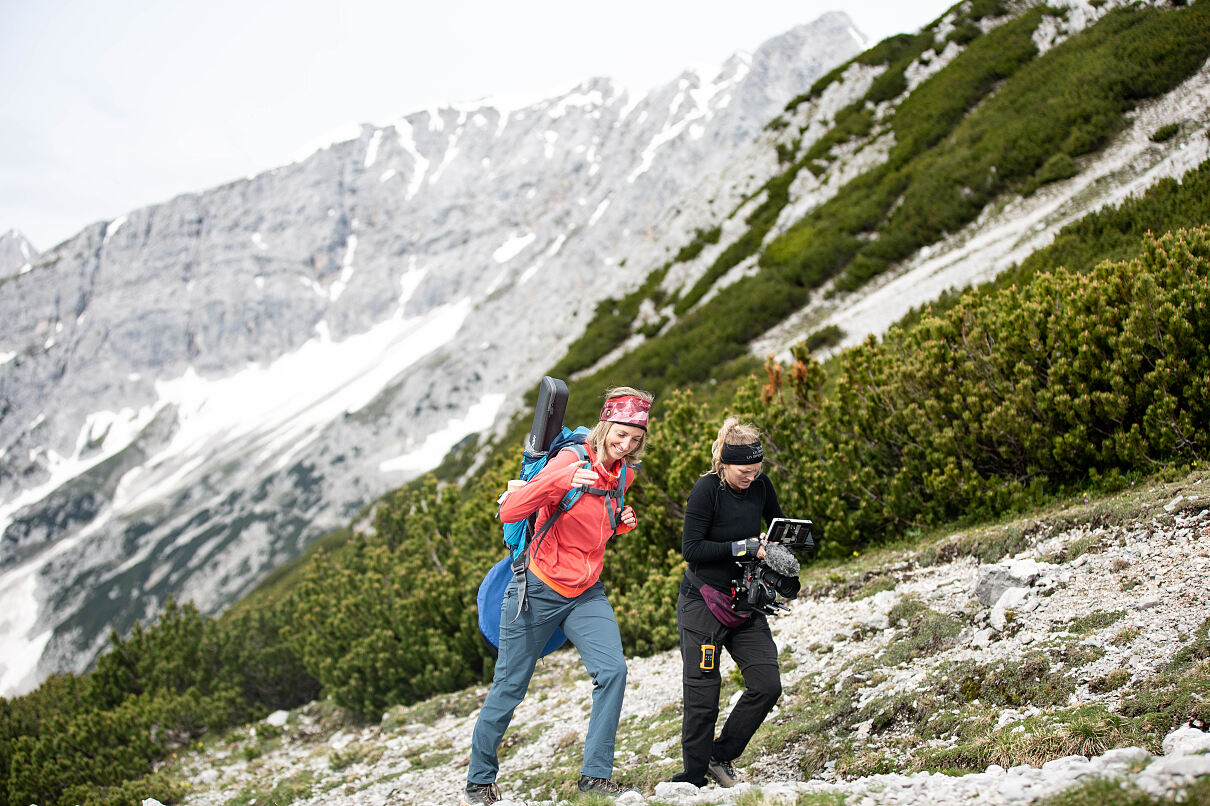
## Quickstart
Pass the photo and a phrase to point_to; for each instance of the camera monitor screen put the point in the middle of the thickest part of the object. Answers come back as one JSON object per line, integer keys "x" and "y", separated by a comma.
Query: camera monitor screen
{"x": 789, "y": 530}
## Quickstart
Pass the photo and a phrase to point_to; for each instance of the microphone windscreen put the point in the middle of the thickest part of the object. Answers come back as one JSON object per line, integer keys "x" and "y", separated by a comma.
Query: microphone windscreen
{"x": 781, "y": 560}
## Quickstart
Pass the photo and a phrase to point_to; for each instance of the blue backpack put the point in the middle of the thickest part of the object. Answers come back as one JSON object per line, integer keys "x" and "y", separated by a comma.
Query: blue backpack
{"x": 519, "y": 536}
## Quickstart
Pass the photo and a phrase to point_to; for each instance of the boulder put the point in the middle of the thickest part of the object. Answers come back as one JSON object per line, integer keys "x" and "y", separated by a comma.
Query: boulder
{"x": 1186, "y": 741}
{"x": 1012, "y": 600}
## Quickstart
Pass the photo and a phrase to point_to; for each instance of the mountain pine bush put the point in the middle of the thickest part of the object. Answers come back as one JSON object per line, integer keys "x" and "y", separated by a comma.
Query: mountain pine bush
{"x": 390, "y": 616}
{"x": 1004, "y": 398}
{"x": 83, "y": 738}
{"x": 76, "y": 756}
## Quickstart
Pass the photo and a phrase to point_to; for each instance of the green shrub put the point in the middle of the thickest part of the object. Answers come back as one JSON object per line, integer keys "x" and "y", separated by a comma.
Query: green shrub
{"x": 855, "y": 120}
{"x": 1165, "y": 133}
{"x": 387, "y": 618}
{"x": 1093, "y": 622}
{"x": 271, "y": 676}
{"x": 924, "y": 632}
{"x": 86, "y": 738}
{"x": 694, "y": 247}
{"x": 890, "y": 50}
{"x": 157, "y": 785}
{"x": 1060, "y": 166}
{"x": 100, "y": 749}
{"x": 965, "y": 33}
{"x": 970, "y": 413}
{"x": 1110, "y": 682}
{"x": 58, "y": 699}
{"x": 824, "y": 337}
{"x": 1101, "y": 791}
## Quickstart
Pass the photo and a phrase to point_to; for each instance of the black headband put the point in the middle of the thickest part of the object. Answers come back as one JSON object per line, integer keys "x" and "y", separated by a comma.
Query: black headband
{"x": 746, "y": 454}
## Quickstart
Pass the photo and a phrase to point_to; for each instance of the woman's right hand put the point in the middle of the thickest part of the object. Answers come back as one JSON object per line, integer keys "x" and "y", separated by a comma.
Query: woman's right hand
{"x": 584, "y": 476}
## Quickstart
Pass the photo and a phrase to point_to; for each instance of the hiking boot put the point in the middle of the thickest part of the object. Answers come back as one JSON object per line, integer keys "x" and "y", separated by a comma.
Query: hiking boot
{"x": 480, "y": 795}
{"x": 723, "y": 772}
{"x": 603, "y": 786}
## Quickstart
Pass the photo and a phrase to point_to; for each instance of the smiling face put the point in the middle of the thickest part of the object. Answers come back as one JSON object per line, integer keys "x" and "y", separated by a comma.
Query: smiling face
{"x": 740, "y": 477}
{"x": 620, "y": 441}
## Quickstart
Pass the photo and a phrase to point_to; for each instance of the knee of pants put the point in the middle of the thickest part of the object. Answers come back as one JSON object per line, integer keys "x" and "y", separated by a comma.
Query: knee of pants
{"x": 510, "y": 688}
{"x": 611, "y": 674}
{"x": 701, "y": 694}
{"x": 766, "y": 687}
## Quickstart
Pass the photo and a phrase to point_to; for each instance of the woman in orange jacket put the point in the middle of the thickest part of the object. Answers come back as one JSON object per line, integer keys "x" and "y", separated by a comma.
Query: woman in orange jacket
{"x": 563, "y": 589}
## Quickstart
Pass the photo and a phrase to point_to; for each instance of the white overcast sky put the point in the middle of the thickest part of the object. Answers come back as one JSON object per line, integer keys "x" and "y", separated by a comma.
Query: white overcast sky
{"x": 109, "y": 106}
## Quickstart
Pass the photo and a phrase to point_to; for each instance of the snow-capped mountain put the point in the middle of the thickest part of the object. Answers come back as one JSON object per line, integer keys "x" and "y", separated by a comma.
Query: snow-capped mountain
{"x": 191, "y": 393}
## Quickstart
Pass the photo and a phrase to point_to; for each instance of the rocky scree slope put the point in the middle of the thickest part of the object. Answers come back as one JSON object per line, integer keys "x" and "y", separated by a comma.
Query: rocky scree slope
{"x": 1028, "y": 662}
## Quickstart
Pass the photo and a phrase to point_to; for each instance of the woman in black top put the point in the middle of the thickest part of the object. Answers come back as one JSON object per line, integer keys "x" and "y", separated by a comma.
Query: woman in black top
{"x": 723, "y": 525}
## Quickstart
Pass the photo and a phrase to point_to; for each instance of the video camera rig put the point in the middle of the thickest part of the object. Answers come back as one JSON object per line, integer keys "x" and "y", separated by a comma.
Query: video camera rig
{"x": 761, "y": 580}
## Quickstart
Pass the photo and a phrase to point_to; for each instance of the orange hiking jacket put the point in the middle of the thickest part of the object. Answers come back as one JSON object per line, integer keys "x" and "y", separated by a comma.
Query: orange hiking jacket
{"x": 570, "y": 556}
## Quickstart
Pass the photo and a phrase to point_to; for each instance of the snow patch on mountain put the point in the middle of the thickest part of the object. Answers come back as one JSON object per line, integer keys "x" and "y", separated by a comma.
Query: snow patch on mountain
{"x": 479, "y": 417}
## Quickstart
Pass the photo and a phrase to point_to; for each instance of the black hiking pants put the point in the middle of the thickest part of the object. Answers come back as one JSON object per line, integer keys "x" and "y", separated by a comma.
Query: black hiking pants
{"x": 751, "y": 647}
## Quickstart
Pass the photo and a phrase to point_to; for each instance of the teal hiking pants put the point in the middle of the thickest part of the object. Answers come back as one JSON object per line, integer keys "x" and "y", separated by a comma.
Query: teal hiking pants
{"x": 590, "y": 625}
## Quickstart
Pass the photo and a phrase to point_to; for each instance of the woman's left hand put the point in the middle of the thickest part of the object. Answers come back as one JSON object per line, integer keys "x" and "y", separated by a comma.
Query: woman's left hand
{"x": 629, "y": 518}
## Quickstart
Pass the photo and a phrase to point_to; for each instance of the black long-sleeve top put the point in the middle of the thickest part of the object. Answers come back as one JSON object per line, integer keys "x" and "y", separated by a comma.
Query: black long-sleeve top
{"x": 716, "y": 516}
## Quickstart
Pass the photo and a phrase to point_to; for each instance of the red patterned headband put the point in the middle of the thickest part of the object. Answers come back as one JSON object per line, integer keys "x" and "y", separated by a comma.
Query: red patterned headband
{"x": 628, "y": 410}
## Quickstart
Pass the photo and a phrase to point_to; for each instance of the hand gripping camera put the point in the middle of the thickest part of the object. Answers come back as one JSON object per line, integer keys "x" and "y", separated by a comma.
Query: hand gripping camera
{"x": 761, "y": 581}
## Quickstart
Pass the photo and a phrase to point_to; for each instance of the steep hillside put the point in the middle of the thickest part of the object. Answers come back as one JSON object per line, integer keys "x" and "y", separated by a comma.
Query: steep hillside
{"x": 1010, "y": 398}
{"x": 1013, "y": 659}
{"x": 930, "y": 162}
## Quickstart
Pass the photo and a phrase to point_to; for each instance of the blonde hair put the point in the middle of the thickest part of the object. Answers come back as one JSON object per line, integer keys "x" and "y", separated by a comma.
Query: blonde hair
{"x": 733, "y": 432}
{"x": 596, "y": 437}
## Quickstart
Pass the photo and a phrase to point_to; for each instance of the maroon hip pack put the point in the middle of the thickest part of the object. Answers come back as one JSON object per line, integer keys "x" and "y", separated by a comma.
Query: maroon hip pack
{"x": 718, "y": 603}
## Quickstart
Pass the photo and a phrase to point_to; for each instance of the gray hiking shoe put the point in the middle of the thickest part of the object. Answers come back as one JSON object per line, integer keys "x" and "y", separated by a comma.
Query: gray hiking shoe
{"x": 479, "y": 795}
{"x": 723, "y": 772}
{"x": 603, "y": 786}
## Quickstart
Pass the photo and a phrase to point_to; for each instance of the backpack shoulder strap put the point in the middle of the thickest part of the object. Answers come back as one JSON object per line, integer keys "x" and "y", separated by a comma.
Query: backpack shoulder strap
{"x": 567, "y": 502}
{"x": 574, "y": 494}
